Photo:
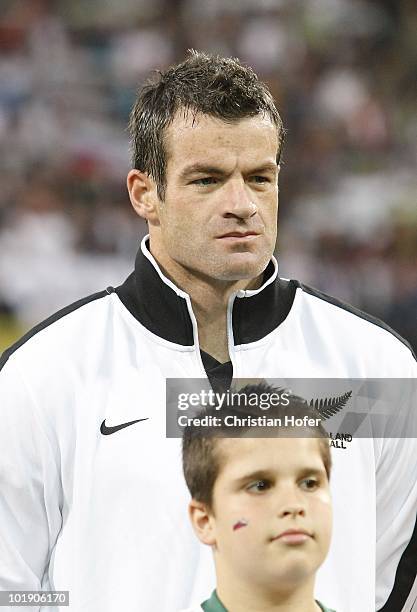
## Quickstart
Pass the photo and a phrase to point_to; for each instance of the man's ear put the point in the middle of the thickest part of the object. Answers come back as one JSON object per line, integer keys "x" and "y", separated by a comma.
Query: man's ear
{"x": 143, "y": 195}
{"x": 203, "y": 522}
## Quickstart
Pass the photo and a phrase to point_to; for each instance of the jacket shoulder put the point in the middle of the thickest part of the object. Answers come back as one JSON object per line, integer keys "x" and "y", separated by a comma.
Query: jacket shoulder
{"x": 352, "y": 311}
{"x": 53, "y": 320}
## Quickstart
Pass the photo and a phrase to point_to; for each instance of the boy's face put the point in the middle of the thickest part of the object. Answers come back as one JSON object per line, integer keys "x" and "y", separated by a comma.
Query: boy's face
{"x": 279, "y": 488}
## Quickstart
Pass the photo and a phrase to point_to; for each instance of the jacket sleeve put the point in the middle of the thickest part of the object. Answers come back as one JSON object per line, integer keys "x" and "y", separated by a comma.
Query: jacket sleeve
{"x": 30, "y": 516}
{"x": 396, "y": 512}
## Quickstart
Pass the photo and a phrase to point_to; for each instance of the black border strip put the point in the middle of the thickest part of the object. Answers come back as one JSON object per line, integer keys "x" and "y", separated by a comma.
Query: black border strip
{"x": 52, "y": 319}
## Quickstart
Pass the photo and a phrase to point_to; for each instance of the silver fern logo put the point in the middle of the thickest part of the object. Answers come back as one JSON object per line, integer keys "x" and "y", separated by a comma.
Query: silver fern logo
{"x": 328, "y": 407}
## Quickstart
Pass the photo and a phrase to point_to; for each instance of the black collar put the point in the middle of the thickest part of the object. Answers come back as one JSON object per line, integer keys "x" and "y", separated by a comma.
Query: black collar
{"x": 166, "y": 310}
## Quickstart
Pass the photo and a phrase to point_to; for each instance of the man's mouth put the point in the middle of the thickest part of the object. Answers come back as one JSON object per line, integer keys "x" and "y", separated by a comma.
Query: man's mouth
{"x": 239, "y": 235}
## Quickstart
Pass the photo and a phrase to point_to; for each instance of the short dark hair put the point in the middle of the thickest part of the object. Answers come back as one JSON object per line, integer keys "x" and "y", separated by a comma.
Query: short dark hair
{"x": 216, "y": 86}
{"x": 201, "y": 454}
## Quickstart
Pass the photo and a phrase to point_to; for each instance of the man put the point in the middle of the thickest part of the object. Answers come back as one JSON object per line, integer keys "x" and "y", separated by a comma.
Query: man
{"x": 91, "y": 493}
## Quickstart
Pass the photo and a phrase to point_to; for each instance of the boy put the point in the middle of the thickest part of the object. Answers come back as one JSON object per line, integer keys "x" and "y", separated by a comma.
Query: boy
{"x": 263, "y": 505}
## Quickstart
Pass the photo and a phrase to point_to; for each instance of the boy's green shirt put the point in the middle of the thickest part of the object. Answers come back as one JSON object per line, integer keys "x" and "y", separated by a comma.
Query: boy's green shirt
{"x": 215, "y": 605}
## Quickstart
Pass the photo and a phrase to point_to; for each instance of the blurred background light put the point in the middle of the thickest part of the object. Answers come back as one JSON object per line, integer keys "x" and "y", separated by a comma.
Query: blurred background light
{"x": 344, "y": 75}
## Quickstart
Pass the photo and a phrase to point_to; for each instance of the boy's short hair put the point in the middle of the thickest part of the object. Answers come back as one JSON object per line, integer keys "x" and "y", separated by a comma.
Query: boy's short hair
{"x": 201, "y": 453}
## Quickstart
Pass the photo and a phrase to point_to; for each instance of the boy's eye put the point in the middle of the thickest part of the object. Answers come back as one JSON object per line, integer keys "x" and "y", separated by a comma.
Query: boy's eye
{"x": 259, "y": 486}
{"x": 309, "y": 484}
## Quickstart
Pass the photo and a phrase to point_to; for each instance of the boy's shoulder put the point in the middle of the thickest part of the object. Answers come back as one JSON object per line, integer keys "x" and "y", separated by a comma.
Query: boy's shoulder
{"x": 199, "y": 609}
{"x": 323, "y": 608}
{"x": 212, "y": 604}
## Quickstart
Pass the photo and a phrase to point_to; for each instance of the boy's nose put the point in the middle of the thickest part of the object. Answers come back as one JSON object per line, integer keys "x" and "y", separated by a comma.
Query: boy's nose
{"x": 291, "y": 503}
{"x": 293, "y": 509}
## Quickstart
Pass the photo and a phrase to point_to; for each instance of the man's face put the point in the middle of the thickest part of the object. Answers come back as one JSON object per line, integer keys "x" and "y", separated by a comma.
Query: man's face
{"x": 279, "y": 488}
{"x": 219, "y": 217}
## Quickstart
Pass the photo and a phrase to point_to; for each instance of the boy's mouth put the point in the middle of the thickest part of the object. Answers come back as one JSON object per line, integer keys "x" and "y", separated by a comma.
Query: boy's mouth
{"x": 294, "y": 536}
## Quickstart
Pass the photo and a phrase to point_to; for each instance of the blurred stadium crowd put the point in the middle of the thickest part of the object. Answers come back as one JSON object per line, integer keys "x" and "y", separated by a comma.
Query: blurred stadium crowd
{"x": 344, "y": 74}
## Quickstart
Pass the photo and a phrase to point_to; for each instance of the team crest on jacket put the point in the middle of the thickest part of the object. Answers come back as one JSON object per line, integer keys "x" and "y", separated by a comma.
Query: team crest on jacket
{"x": 327, "y": 408}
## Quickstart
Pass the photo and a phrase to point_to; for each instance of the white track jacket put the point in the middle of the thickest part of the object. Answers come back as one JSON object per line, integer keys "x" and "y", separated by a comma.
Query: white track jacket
{"x": 105, "y": 516}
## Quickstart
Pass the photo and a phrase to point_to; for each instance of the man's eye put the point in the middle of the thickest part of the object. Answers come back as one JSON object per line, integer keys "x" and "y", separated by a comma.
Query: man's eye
{"x": 309, "y": 484}
{"x": 260, "y": 179}
{"x": 259, "y": 486}
{"x": 207, "y": 180}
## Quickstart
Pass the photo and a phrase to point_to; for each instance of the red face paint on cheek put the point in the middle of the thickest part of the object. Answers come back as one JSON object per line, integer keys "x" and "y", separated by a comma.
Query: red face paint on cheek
{"x": 239, "y": 524}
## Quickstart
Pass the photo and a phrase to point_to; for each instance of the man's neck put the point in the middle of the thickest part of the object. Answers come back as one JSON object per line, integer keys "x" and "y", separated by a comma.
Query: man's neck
{"x": 209, "y": 299}
{"x": 210, "y": 308}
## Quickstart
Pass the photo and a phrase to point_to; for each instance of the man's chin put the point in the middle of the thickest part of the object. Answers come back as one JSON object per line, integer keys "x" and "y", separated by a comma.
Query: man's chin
{"x": 242, "y": 266}
{"x": 239, "y": 275}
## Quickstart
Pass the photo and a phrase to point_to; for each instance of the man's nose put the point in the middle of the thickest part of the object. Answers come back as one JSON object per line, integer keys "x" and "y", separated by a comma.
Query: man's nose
{"x": 239, "y": 202}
